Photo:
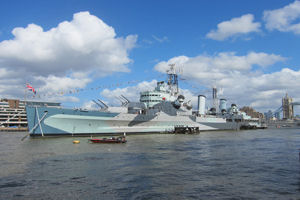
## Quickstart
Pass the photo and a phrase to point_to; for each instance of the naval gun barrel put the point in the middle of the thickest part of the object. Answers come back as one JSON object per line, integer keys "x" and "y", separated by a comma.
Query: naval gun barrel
{"x": 98, "y": 104}
{"x": 122, "y": 101}
{"x": 106, "y": 106}
{"x": 125, "y": 98}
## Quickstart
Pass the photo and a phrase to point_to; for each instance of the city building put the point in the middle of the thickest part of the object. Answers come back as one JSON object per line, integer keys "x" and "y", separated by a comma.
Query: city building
{"x": 13, "y": 113}
{"x": 287, "y": 107}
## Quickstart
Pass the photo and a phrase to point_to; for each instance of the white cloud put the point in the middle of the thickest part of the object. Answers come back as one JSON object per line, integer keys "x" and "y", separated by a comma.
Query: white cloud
{"x": 155, "y": 39}
{"x": 55, "y": 84}
{"x": 244, "y": 87}
{"x": 90, "y": 105}
{"x": 160, "y": 40}
{"x": 62, "y": 99}
{"x": 221, "y": 63}
{"x": 234, "y": 27}
{"x": 283, "y": 19}
{"x": 132, "y": 93}
{"x": 240, "y": 82}
{"x": 84, "y": 44}
{"x": 69, "y": 55}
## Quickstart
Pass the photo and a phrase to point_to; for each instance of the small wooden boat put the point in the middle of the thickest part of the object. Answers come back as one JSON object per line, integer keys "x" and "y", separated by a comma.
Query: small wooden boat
{"x": 109, "y": 140}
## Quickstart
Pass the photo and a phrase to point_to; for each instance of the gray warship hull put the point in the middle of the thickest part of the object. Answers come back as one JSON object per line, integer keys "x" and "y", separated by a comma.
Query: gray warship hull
{"x": 43, "y": 121}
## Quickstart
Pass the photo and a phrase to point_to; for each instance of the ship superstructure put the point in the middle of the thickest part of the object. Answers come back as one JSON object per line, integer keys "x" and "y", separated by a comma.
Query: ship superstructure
{"x": 162, "y": 110}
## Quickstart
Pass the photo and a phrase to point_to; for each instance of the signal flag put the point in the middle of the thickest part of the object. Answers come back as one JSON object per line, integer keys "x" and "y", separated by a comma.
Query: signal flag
{"x": 29, "y": 87}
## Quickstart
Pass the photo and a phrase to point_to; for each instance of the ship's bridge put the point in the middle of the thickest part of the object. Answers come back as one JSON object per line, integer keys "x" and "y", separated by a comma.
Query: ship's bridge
{"x": 151, "y": 98}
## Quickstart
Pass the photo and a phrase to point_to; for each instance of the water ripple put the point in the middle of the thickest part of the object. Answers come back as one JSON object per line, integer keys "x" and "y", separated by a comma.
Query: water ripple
{"x": 261, "y": 164}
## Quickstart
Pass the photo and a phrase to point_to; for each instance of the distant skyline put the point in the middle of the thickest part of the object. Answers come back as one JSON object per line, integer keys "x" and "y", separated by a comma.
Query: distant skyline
{"x": 74, "y": 51}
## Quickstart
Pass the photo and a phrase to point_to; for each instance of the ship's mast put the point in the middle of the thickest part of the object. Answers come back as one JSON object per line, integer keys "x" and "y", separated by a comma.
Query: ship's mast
{"x": 215, "y": 99}
{"x": 172, "y": 80}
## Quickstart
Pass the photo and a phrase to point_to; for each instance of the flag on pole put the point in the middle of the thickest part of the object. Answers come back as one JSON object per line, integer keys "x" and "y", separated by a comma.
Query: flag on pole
{"x": 29, "y": 87}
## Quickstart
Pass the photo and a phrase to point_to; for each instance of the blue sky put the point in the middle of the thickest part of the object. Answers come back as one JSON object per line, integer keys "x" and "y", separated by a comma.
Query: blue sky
{"x": 249, "y": 49}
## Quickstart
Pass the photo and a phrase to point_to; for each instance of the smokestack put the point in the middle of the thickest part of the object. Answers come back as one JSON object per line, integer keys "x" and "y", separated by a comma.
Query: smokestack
{"x": 201, "y": 104}
{"x": 223, "y": 105}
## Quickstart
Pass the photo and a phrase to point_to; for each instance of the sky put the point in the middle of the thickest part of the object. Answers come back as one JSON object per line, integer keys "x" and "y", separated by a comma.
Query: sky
{"x": 76, "y": 51}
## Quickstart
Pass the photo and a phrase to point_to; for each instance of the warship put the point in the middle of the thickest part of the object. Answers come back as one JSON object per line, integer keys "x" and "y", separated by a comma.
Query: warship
{"x": 162, "y": 110}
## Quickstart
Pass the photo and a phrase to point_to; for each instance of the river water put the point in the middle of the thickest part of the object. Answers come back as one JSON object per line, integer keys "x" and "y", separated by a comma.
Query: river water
{"x": 254, "y": 164}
